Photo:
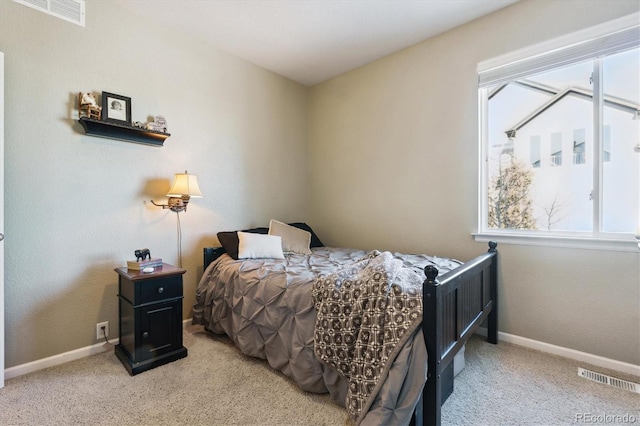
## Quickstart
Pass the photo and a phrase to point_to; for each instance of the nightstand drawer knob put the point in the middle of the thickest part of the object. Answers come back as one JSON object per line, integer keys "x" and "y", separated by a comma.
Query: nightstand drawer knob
{"x": 145, "y": 334}
{"x": 161, "y": 290}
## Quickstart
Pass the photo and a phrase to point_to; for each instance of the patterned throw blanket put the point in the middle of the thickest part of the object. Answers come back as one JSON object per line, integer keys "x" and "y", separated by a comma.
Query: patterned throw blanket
{"x": 365, "y": 314}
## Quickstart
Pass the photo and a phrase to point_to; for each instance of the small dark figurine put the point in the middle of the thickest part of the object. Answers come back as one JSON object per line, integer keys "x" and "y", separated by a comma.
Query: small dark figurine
{"x": 142, "y": 254}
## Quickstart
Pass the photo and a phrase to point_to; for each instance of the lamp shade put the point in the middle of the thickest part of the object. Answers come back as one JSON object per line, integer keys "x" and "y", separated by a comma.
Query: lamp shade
{"x": 185, "y": 184}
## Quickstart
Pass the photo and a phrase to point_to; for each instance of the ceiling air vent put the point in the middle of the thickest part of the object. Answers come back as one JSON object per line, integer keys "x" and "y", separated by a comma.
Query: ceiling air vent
{"x": 69, "y": 10}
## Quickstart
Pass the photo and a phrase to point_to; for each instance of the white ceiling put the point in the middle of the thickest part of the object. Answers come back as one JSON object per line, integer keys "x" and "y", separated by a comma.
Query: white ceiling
{"x": 310, "y": 41}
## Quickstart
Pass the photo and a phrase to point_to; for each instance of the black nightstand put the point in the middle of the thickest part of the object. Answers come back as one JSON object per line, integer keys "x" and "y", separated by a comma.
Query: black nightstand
{"x": 150, "y": 308}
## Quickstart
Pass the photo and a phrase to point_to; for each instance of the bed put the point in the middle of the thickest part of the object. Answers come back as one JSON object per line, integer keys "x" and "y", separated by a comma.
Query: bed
{"x": 377, "y": 330}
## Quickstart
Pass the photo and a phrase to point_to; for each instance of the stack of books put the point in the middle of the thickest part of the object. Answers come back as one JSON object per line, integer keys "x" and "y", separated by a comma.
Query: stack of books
{"x": 139, "y": 266}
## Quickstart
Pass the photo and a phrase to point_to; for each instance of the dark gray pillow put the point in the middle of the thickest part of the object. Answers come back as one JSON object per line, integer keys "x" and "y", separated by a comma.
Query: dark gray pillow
{"x": 315, "y": 241}
{"x": 229, "y": 240}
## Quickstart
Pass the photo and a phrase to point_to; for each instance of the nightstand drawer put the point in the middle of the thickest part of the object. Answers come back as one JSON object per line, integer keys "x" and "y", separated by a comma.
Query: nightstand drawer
{"x": 158, "y": 289}
{"x": 140, "y": 288}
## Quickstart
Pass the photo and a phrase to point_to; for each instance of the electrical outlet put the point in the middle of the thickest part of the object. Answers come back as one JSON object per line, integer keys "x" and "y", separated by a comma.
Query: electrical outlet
{"x": 99, "y": 334}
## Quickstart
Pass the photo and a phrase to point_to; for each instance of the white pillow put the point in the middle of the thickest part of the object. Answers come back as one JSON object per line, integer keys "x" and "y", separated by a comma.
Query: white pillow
{"x": 294, "y": 240}
{"x": 256, "y": 246}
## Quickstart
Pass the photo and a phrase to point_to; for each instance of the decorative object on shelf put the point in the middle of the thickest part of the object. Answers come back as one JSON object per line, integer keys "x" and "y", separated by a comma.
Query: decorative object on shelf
{"x": 141, "y": 254}
{"x": 159, "y": 124}
{"x": 88, "y": 106}
{"x": 185, "y": 186}
{"x": 122, "y": 132}
{"x": 116, "y": 108}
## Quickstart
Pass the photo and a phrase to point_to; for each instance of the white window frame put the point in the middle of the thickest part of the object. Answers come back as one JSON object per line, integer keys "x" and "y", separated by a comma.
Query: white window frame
{"x": 611, "y": 37}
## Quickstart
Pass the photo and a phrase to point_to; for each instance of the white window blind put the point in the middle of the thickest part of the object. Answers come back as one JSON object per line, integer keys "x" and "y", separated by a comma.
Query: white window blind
{"x": 614, "y": 42}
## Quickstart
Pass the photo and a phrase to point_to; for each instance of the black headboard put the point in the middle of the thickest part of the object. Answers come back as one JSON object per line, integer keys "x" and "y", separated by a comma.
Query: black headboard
{"x": 211, "y": 254}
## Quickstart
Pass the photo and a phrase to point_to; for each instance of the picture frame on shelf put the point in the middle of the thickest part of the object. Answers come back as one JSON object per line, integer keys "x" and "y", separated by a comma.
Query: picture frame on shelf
{"x": 116, "y": 108}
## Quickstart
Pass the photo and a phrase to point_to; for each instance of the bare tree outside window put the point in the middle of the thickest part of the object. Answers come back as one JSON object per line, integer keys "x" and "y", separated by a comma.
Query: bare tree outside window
{"x": 555, "y": 212}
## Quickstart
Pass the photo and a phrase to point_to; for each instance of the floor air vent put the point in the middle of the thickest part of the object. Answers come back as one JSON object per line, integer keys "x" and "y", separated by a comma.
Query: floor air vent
{"x": 69, "y": 10}
{"x": 608, "y": 380}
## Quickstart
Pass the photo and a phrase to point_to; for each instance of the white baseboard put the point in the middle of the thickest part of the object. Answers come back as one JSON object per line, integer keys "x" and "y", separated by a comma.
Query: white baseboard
{"x": 596, "y": 360}
{"x": 54, "y": 360}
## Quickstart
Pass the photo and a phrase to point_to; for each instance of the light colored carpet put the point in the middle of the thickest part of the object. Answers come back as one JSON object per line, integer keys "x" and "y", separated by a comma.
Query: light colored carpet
{"x": 217, "y": 385}
{"x": 507, "y": 384}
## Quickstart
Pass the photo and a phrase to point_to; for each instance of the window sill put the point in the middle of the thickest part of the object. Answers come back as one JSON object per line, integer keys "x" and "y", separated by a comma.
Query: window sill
{"x": 624, "y": 243}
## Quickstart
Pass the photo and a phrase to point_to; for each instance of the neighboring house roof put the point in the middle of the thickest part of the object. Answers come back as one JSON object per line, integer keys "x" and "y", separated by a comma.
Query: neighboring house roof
{"x": 557, "y": 95}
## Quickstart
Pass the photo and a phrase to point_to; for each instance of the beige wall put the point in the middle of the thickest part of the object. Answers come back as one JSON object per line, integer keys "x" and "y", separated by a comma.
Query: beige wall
{"x": 393, "y": 156}
{"x": 77, "y": 206}
{"x": 391, "y": 164}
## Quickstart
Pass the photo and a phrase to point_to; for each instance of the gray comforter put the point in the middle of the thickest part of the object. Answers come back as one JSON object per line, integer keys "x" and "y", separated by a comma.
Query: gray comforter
{"x": 266, "y": 307}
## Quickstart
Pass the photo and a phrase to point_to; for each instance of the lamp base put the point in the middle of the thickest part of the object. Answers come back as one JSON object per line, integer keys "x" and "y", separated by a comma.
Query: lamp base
{"x": 176, "y": 204}
{"x": 179, "y": 204}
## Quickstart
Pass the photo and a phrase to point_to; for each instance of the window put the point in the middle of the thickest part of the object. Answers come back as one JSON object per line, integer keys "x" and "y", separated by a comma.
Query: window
{"x": 579, "y": 145}
{"x": 606, "y": 143}
{"x": 583, "y": 99}
{"x": 556, "y": 149}
{"x": 534, "y": 156}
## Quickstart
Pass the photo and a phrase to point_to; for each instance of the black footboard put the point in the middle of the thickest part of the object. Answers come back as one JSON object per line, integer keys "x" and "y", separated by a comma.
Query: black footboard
{"x": 454, "y": 307}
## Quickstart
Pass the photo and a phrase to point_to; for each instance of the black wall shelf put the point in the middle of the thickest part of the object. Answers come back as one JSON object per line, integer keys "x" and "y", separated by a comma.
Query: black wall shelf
{"x": 122, "y": 132}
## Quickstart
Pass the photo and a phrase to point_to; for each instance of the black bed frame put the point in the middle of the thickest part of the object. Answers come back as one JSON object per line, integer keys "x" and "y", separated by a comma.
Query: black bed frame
{"x": 455, "y": 305}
